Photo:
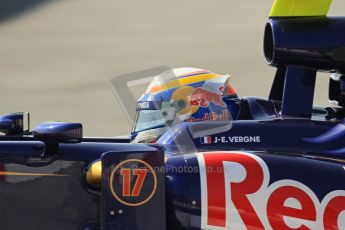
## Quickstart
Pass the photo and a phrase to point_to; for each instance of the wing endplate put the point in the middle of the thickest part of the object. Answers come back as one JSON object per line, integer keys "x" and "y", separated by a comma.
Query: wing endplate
{"x": 296, "y": 8}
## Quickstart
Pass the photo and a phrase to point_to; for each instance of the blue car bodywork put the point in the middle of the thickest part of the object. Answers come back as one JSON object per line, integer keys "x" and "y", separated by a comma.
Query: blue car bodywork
{"x": 281, "y": 166}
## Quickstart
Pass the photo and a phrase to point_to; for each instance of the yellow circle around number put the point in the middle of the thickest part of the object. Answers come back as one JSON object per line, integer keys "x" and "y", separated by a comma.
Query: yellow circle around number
{"x": 154, "y": 180}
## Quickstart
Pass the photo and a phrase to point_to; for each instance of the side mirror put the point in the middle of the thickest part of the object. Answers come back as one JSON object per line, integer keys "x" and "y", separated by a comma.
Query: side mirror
{"x": 15, "y": 124}
{"x": 54, "y": 133}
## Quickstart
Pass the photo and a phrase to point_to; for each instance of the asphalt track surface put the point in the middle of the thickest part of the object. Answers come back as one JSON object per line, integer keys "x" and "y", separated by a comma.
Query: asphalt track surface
{"x": 57, "y": 57}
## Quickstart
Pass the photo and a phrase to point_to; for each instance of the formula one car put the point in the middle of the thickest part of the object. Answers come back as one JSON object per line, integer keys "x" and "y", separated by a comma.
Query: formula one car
{"x": 199, "y": 157}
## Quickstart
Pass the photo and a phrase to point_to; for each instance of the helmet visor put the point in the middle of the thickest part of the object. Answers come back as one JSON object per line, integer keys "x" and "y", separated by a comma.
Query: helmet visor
{"x": 150, "y": 116}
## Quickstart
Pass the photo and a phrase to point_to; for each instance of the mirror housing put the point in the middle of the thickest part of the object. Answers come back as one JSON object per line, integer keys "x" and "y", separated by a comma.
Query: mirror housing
{"x": 15, "y": 124}
{"x": 58, "y": 132}
{"x": 54, "y": 133}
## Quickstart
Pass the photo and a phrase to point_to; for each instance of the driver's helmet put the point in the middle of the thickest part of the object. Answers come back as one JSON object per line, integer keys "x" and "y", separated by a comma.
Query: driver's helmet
{"x": 183, "y": 95}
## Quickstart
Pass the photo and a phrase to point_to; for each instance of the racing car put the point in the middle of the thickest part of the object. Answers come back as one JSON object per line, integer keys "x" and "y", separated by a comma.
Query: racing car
{"x": 199, "y": 156}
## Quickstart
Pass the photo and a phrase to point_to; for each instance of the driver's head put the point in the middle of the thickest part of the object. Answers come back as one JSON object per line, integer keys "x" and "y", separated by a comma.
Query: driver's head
{"x": 183, "y": 95}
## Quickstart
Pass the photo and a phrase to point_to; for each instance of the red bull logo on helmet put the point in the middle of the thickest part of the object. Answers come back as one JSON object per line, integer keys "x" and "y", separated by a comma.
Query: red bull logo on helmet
{"x": 201, "y": 104}
{"x": 202, "y": 97}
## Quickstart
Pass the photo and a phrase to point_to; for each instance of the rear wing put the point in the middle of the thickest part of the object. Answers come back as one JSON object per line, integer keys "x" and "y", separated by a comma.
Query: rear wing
{"x": 297, "y": 8}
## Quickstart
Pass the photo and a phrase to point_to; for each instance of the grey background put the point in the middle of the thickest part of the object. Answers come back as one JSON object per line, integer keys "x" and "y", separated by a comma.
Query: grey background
{"x": 57, "y": 57}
